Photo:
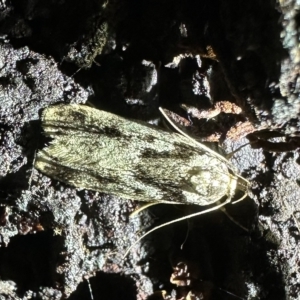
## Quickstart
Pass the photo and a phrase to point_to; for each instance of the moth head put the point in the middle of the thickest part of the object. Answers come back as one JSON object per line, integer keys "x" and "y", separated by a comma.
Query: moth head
{"x": 209, "y": 185}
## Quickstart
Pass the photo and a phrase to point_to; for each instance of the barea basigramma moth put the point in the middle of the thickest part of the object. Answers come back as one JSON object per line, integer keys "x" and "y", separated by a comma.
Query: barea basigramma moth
{"x": 100, "y": 151}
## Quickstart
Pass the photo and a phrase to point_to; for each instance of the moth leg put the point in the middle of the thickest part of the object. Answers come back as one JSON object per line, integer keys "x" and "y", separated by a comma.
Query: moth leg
{"x": 229, "y": 155}
{"x": 219, "y": 205}
{"x": 242, "y": 198}
{"x": 223, "y": 209}
{"x": 144, "y": 206}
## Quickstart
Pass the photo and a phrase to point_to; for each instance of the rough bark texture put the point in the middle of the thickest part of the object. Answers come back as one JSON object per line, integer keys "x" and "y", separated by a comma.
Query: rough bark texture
{"x": 129, "y": 57}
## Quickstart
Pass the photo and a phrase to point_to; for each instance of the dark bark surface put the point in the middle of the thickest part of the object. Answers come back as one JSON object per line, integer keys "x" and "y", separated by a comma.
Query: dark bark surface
{"x": 130, "y": 57}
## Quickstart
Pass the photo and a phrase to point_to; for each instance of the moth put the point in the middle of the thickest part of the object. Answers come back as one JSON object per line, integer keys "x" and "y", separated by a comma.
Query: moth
{"x": 100, "y": 151}
{"x": 97, "y": 150}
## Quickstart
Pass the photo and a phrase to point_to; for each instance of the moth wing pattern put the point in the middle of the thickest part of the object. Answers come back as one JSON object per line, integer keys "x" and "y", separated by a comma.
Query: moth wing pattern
{"x": 100, "y": 151}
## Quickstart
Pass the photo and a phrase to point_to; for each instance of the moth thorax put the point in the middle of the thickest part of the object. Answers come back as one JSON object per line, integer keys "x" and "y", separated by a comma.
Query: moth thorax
{"x": 206, "y": 182}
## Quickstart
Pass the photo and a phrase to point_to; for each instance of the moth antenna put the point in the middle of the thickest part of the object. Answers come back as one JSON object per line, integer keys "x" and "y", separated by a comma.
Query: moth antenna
{"x": 205, "y": 148}
{"x": 176, "y": 220}
{"x": 144, "y": 206}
